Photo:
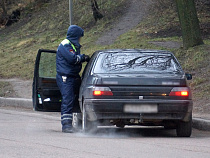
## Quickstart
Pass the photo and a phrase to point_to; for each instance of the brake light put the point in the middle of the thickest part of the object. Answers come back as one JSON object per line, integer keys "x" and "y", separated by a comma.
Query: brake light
{"x": 100, "y": 91}
{"x": 180, "y": 91}
{"x": 97, "y": 92}
{"x": 184, "y": 93}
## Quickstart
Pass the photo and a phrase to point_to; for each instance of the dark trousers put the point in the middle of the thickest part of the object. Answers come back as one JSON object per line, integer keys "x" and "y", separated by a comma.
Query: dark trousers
{"x": 69, "y": 89}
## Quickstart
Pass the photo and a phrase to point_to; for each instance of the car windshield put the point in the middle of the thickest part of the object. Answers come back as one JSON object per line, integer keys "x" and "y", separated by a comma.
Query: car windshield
{"x": 137, "y": 62}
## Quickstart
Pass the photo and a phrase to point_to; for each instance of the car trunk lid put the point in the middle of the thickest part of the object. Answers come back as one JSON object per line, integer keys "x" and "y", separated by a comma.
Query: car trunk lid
{"x": 135, "y": 85}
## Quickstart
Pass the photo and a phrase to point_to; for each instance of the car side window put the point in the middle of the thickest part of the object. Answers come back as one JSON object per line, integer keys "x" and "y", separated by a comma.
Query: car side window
{"x": 88, "y": 66}
{"x": 47, "y": 65}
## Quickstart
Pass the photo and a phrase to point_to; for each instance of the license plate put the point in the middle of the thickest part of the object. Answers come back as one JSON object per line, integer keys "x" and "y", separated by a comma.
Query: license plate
{"x": 141, "y": 108}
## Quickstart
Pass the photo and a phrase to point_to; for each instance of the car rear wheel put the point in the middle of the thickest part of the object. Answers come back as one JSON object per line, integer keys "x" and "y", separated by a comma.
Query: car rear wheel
{"x": 77, "y": 121}
{"x": 88, "y": 126}
{"x": 184, "y": 129}
{"x": 120, "y": 124}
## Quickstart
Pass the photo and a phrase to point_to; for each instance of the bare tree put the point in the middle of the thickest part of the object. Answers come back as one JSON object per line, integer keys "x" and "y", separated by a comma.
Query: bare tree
{"x": 6, "y": 18}
{"x": 189, "y": 22}
{"x": 96, "y": 13}
{"x": 3, "y": 6}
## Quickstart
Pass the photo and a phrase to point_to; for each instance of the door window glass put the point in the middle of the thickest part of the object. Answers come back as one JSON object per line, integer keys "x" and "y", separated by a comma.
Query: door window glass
{"x": 47, "y": 65}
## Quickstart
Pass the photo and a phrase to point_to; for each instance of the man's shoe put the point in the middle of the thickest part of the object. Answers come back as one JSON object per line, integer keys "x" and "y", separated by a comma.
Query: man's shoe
{"x": 67, "y": 130}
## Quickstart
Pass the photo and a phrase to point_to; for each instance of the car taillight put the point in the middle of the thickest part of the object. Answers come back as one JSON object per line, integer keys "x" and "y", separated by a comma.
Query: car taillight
{"x": 100, "y": 91}
{"x": 180, "y": 91}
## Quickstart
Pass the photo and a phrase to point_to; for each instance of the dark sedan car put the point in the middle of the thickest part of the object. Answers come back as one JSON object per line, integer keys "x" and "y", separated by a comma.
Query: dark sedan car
{"x": 122, "y": 87}
{"x": 135, "y": 87}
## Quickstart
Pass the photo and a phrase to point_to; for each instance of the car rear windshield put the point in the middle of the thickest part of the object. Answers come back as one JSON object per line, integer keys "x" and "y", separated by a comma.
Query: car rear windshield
{"x": 137, "y": 62}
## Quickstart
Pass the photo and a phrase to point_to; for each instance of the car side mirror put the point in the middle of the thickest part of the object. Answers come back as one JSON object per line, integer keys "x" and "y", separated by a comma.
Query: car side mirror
{"x": 188, "y": 76}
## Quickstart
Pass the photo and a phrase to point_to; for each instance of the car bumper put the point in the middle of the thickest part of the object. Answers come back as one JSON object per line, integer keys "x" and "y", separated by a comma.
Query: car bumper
{"x": 114, "y": 109}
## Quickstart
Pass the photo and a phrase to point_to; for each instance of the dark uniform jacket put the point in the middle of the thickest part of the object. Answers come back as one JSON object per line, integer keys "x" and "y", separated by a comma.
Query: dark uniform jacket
{"x": 68, "y": 58}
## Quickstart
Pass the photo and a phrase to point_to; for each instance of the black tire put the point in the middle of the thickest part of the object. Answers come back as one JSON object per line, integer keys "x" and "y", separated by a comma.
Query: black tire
{"x": 77, "y": 121}
{"x": 88, "y": 126}
{"x": 184, "y": 129}
{"x": 120, "y": 124}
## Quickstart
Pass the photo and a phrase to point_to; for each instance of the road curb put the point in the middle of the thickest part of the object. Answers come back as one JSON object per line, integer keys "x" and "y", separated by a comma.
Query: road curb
{"x": 201, "y": 124}
{"x": 16, "y": 102}
{"x": 198, "y": 123}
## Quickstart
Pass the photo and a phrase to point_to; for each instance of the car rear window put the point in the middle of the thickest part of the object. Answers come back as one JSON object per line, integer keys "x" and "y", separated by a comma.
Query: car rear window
{"x": 137, "y": 62}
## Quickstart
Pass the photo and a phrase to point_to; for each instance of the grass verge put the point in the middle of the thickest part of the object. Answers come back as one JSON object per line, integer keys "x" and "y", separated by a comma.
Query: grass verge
{"x": 46, "y": 28}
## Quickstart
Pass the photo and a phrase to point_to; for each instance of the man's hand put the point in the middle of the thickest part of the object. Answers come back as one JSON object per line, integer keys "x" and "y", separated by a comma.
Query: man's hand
{"x": 87, "y": 58}
{"x": 84, "y": 58}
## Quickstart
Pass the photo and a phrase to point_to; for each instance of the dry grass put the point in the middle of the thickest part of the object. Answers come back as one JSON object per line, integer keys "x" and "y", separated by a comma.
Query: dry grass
{"x": 45, "y": 28}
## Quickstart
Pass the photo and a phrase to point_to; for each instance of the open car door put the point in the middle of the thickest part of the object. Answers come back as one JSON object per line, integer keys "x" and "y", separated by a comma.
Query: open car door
{"x": 46, "y": 95}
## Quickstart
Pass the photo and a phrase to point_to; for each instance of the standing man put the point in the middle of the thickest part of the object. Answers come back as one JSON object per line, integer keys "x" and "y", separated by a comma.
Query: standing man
{"x": 68, "y": 65}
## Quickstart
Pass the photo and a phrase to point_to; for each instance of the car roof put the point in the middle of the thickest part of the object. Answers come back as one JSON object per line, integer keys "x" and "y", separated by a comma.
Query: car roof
{"x": 133, "y": 51}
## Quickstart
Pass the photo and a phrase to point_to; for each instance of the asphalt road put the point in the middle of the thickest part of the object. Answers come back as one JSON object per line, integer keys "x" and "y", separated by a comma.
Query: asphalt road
{"x": 24, "y": 133}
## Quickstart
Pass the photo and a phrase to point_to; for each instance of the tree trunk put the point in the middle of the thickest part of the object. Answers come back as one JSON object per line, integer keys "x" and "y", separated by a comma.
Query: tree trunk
{"x": 189, "y": 22}
{"x": 96, "y": 13}
{"x": 4, "y": 15}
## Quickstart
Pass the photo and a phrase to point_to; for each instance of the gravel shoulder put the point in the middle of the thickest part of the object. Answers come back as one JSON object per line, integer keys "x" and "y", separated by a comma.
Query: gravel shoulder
{"x": 20, "y": 88}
